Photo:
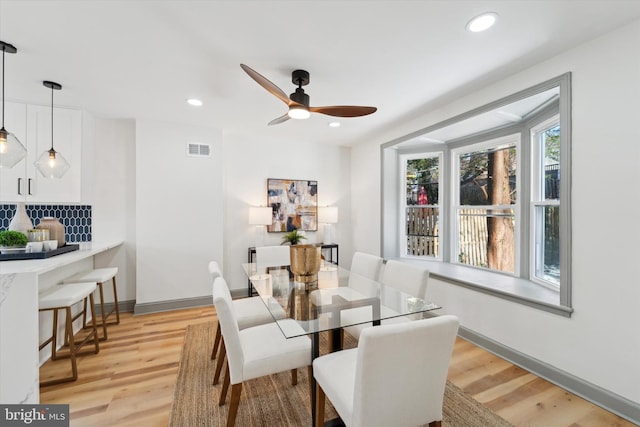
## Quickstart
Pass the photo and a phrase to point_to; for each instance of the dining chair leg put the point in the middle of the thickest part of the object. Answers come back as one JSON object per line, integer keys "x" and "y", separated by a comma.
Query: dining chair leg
{"x": 320, "y": 406}
{"x": 225, "y": 387}
{"x": 221, "y": 357}
{"x": 294, "y": 377}
{"x": 216, "y": 342}
{"x": 435, "y": 424}
{"x": 236, "y": 390}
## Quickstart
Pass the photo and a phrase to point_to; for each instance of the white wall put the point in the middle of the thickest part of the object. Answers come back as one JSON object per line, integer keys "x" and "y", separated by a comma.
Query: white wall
{"x": 599, "y": 343}
{"x": 111, "y": 176}
{"x": 248, "y": 162}
{"x": 179, "y": 212}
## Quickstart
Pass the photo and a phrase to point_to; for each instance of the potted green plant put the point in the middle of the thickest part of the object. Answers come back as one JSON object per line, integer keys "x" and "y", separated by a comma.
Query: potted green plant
{"x": 12, "y": 239}
{"x": 292, "y": 238}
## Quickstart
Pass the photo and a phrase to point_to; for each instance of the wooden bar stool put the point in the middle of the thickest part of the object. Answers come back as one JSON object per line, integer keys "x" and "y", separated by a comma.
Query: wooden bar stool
{"x": 63, "y": 298}
{"x": 100, "y": 276}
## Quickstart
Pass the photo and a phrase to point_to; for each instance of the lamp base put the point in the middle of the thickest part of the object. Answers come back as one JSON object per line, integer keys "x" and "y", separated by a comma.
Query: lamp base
{"x": 326, "y": 238}
{"x": 260, "y": 235}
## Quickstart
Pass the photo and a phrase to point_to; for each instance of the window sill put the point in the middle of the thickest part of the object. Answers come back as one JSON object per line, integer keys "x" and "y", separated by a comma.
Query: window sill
{"x": 513, "y": 289}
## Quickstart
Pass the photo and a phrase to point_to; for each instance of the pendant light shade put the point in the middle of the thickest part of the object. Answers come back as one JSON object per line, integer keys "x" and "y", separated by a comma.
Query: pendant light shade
{"x": 51, "y": 163}
{"x": 11, "y": 149}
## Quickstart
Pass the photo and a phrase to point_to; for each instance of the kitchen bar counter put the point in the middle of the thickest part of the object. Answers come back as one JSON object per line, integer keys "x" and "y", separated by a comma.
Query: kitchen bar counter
{"x": 40, "y": 266}
{"x": 20, "y": 322}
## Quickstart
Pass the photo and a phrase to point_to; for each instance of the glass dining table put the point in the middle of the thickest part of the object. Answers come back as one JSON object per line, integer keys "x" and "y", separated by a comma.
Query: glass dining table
{"x": 338, "y": 299}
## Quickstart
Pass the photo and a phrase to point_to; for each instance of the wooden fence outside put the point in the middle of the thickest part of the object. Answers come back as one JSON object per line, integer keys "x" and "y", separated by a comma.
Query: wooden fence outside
{"x": 473, "y": 237}
{"x": 422, "y": 234}
{"x": 422, "y": 231}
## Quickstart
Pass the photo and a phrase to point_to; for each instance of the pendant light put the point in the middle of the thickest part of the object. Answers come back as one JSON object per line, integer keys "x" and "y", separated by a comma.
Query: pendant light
{"x": 51, "y": 163}
{"x": 11, "y": 149}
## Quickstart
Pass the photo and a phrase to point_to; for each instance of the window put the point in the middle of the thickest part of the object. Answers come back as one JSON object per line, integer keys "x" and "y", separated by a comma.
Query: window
{"x": 545, "y": 203}
{"x": 486, "y": 204}
{"x": 420, "y": 201}
{"x": 486, "y": 196}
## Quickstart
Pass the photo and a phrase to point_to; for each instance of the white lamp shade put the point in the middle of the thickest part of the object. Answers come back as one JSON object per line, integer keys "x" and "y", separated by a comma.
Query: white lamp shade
{"x": 52, "y": 165}
{"x": 11, "y": 150}
{"x": 328, "y": 215}
{"x": 260, "y": 216}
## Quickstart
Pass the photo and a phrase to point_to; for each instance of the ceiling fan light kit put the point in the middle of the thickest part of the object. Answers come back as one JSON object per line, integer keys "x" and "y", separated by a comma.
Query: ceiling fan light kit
{"x": 298, "y": 101}
{"x": 11, "y": 149}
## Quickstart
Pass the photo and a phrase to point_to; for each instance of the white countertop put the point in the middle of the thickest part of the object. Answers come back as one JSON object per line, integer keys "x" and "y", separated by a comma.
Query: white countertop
{"x": 44, "y": 265}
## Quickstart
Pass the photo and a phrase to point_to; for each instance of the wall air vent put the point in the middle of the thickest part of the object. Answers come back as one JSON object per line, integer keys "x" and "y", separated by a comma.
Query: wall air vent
{"x": 198, "y": 150}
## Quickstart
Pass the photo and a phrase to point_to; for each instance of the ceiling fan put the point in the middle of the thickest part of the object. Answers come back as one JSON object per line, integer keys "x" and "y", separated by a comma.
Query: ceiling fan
{"x": 298, "y": 101}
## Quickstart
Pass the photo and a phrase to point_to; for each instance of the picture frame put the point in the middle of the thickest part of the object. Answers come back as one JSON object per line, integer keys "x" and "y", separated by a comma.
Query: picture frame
{"x": 294, "y": 205}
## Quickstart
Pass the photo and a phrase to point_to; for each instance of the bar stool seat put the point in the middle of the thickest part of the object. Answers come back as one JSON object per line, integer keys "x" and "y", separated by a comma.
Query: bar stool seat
{"x": 63, "y": 298}
{"x": 100, "y": 276}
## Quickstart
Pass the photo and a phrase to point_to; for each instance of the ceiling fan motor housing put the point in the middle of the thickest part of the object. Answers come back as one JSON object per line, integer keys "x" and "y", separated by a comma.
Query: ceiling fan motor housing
{"x": 300, "y": 97}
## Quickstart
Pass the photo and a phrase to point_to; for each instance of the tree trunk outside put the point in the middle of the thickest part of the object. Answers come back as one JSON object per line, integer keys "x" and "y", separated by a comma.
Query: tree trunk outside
{"x": 500, "y": 230}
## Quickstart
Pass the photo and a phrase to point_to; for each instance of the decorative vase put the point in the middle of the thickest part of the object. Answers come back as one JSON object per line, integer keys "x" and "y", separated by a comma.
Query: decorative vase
{"x": 55, "y": 227}
{"x": 305, "y": 263}
{"x": 21, "y": 221}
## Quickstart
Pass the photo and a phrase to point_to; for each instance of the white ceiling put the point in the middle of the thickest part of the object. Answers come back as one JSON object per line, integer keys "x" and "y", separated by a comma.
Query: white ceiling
{"x": 142, "y": 59}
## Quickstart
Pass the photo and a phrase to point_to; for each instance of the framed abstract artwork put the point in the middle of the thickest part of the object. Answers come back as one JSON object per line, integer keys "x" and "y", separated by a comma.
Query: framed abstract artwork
{"x": 294, "y": 204}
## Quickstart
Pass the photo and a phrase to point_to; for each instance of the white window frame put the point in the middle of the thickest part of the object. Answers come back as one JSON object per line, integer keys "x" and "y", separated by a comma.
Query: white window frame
{"x": 503, "y": 141}
{"x": 537, "y": 197}
{"x": 402, "y": 233}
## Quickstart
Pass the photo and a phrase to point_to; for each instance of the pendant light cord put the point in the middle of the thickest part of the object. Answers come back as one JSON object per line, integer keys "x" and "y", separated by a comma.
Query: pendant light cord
{"x": 3, "y": 50}
{"x": 52, "y": 117}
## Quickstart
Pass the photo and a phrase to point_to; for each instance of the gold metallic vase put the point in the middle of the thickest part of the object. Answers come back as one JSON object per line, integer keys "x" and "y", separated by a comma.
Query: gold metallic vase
{"x": 305, "y": 264}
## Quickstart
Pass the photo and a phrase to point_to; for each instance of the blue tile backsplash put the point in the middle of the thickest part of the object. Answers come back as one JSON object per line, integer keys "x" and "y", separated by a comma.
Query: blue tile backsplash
{"x": 76, "y": 219}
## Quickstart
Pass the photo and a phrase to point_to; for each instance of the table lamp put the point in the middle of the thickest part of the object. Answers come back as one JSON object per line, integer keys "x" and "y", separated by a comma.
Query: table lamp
{"x": 260, "y": 217}
{"x": 327, "y": 215}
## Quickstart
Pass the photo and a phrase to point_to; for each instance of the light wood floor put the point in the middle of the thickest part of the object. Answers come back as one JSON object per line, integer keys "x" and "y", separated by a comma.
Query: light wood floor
{"x": 131, "y": 381}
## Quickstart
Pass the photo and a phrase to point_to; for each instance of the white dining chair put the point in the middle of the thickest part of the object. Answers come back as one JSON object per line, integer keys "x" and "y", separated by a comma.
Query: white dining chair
{"x": 364, "y": 273}
{"x": 365, "y": 265}
{"x": 249, "y": 312}
{"x": 272, "y": 256}
{"x": 408, "y": 278}
{"x": 365, "y": 269}
{"x": 257, "y": 351}
{"x": 395, "y": 377}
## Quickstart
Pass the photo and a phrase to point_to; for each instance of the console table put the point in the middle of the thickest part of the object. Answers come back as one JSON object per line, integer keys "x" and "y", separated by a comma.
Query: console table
{"x": 326, "y": 248}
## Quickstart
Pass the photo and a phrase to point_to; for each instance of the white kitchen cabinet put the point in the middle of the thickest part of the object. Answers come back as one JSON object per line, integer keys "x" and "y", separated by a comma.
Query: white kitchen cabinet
{"x": 23, "y": 182}
{"x": 15, "y": 121}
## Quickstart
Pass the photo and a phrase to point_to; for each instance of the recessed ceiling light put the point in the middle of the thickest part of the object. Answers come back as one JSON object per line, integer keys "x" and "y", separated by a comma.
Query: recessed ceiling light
{"x": 195, "y": 102}
{"x": 334, "y": 124}
{"x": 482, "y": 22}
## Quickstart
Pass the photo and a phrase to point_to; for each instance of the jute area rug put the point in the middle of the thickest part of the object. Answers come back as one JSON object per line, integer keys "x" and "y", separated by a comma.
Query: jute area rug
{"x": 272, "y": 400}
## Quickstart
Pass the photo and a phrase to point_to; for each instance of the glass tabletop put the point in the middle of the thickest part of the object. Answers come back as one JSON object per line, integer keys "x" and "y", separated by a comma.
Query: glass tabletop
{"x": 338, "y": 299}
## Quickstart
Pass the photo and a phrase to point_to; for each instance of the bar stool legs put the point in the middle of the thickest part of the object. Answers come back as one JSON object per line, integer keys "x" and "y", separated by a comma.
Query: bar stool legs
{"x": 101, "y": 276}
{"x": 57, "y": 299}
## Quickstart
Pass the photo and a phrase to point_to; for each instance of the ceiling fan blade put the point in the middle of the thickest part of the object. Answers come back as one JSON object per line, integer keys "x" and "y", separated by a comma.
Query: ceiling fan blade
{"x": 344, "y": 110}
{"x": 265, "y": 83}
{"x": 279, "y": 120}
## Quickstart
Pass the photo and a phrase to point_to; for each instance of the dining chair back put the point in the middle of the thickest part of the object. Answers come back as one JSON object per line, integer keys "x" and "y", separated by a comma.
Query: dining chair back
{"x": 408, "y": 278}
{"x": 364, "y": 267}
{"x": 272, "y": 256}
{"x": 229, "y": 327}
{"x": 400, "y": 374}
{"x": 214, "y": 270}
